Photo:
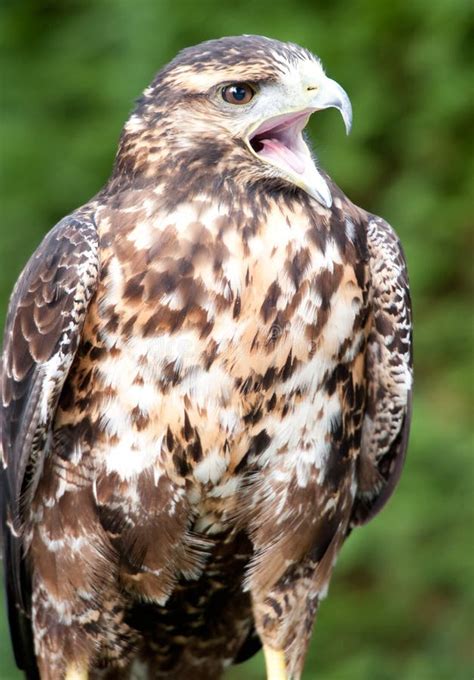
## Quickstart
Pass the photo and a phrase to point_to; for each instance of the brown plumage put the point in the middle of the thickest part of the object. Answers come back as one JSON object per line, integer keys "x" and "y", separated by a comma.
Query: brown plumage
{"x": 206, "y": 384}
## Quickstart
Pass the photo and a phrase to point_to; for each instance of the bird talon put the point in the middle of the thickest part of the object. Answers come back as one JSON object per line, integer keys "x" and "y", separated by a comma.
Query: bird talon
{"x": 77, "y": 672}
{"x": 275, "y": 664}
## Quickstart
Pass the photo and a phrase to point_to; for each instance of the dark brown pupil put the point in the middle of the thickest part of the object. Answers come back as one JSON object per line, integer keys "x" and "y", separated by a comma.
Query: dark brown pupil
{"x": 237, "y": 94}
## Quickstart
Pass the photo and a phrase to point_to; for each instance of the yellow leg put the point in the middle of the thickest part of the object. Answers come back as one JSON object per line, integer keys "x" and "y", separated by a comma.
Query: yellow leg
{"x": 76, "y": 672}
{"x": 275, "y": 664}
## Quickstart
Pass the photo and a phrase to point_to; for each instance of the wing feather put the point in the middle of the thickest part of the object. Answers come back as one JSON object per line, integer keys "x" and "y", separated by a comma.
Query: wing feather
{"x": 389, "y": 374}
{"x": 43, "y": 328}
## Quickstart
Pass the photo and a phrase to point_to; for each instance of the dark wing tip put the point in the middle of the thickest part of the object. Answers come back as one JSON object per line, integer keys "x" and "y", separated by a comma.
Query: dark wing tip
{"x": 366, "y": 508}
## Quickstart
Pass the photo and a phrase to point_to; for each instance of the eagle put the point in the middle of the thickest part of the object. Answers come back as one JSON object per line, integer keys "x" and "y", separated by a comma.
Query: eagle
{"x": 206, "y": 384}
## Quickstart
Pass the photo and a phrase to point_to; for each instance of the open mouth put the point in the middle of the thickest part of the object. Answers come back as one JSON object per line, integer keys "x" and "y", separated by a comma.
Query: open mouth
{"x": 279, "y": 141}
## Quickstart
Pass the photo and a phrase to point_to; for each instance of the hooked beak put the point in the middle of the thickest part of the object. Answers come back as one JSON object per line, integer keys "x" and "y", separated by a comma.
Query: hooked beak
{"x": 279, "y": 140}
{"x": 331, "y": 95}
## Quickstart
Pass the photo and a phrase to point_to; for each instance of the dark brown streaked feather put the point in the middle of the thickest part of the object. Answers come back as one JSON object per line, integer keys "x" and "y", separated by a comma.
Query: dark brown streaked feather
{"x": 44, "y": 323}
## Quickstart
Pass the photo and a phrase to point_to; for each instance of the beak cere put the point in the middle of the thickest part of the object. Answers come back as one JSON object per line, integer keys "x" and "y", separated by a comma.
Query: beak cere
{"x": 279, "y": 140}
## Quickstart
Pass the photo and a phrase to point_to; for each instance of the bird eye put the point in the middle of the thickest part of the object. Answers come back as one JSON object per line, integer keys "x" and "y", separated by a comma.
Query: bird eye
{"x": 237, "y": 93}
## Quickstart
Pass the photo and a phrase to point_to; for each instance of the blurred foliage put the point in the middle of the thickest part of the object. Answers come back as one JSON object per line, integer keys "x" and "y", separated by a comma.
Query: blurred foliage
{"x": 402, "y": 594}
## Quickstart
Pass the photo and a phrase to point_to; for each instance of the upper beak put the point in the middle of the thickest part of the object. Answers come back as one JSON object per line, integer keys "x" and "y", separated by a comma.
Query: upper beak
{"x": 331, "y": 95}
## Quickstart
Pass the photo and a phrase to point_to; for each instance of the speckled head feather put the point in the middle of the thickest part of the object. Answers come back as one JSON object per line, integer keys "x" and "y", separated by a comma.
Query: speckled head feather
{"x": 261, "y": 58}
{"x": 183, "y": 113}
{"x": 206, "y": 384}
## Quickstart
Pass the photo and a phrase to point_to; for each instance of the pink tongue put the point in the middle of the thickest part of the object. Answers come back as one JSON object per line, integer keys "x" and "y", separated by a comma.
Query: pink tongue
{"x": 273, "y": 147}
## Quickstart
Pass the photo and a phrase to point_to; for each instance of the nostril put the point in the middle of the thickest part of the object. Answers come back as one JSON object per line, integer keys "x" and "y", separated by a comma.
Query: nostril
{"x": 312, "y": 87}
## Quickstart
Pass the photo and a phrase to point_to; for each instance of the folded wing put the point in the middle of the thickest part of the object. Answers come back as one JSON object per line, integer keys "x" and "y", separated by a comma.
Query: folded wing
{"x": 42, "y": 333}
{"x": 389, "y": 374}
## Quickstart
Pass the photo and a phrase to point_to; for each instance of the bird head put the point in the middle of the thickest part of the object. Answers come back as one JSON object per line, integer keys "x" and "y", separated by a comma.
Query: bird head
{"x": 243, "y": 99}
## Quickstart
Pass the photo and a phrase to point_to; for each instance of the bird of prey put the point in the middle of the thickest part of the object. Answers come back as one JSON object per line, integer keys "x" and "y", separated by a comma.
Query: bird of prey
{"x": 206, "y": 384}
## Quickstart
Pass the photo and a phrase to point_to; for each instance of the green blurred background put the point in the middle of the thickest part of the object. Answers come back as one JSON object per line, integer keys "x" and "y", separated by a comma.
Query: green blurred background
{"x": 401, "y": 601}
